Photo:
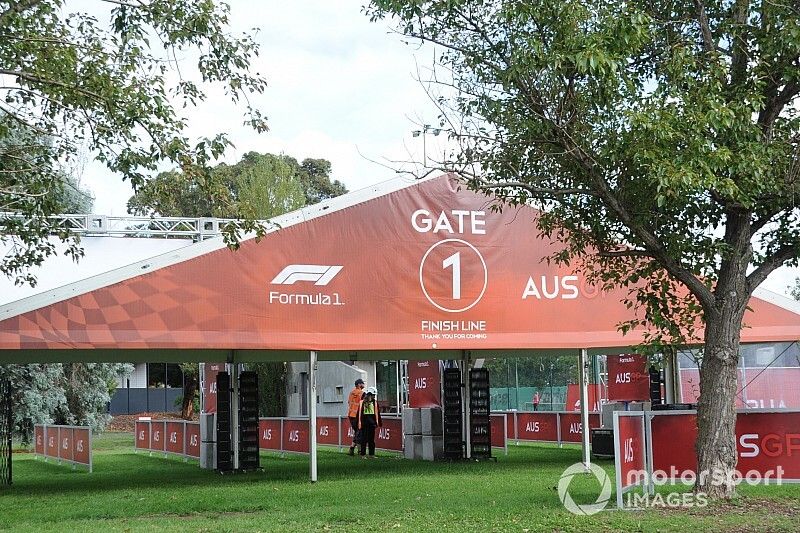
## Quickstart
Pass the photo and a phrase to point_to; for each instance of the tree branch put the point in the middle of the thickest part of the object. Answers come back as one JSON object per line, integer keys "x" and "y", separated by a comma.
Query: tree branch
{"x": 705, "y": 29}
{"x": 770, "y": 264}
{"x": 15, "y": 8}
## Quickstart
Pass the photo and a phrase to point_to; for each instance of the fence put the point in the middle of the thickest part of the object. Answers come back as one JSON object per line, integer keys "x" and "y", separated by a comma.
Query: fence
{"x": 290, "y": 435}
{"x": 176, "y": 437}
{"x": 66, "y": 444}
{"x": 6, "y": 430}
{"x": 646, "y": 452}
{"x": 557, "y": 427}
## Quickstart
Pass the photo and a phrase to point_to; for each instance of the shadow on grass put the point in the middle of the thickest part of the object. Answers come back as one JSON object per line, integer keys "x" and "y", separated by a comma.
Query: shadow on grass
{"x": 115, "y": 471}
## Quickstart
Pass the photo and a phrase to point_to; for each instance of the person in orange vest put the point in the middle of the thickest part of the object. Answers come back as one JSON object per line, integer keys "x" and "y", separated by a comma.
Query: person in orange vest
{"x": 369, "y": 418}
{"x": 353, "y": 403}
{"x": 536, "y": 400}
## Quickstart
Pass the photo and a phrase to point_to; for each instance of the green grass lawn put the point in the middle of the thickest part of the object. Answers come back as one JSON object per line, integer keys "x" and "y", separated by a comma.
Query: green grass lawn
{"x": 517, "y": 493}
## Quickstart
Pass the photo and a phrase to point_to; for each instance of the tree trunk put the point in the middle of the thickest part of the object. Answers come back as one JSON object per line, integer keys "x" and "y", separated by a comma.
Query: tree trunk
{"x": 716, "y": 408}
{"x": 189, "y": 393}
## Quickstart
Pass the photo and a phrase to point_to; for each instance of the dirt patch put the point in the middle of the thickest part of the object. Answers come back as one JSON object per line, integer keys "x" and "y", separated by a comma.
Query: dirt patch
{"x": 126, "y": 422}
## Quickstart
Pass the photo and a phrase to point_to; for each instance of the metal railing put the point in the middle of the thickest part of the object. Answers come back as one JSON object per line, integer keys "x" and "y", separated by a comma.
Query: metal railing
{"x": 197, "y": 229}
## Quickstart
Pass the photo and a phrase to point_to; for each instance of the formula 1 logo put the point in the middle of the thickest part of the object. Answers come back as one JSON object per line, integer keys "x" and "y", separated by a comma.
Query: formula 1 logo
{"x": 319, "y": 274}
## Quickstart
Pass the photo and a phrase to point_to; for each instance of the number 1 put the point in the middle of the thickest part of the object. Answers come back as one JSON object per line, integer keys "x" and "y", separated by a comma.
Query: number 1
{"x": 455, "y": 262}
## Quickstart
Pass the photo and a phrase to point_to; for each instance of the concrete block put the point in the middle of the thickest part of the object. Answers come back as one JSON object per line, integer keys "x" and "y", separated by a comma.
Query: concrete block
{"x": 412, "y": 421}
{"x": 412, "y": 447}
{"x": 431, "y": 421}
{"x": 432, "y": 448}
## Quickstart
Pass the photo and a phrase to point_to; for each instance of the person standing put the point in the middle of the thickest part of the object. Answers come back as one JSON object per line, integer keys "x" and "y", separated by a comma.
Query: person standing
{"x": 369, "y": 418}
{"x": 353, "y": 404}
{"x": 536, "y": 400}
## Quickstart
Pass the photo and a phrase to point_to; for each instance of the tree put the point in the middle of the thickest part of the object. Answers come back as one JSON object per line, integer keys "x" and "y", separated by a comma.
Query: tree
{"x": 111, "y": 89}
{"x": 61, "y": 393}
{"x": 795, "y": 289}
{"x": 661, "y": 142}
{"x": 259, "y": 186}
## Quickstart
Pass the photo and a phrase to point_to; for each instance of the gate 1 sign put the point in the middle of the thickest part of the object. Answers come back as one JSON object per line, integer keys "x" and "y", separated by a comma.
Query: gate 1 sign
{"x": 424, "y": 384}
{"x": 629, "y": 452}
{"x": 628, "y": 379}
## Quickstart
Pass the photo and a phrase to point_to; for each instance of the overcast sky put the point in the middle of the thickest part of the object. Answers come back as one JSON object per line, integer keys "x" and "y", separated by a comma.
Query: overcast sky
{"x": 340, "y": 88}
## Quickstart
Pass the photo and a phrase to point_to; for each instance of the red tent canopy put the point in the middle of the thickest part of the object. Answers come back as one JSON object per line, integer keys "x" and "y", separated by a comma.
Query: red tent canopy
{"x": 401, "y": 266}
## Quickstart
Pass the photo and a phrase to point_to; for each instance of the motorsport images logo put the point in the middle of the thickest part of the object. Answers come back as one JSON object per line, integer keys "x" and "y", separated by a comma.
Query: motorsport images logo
{"x": 587, "y": 509}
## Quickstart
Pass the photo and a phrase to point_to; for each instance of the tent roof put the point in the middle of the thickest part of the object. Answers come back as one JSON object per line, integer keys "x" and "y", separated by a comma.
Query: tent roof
{"x": 395, "y": 270}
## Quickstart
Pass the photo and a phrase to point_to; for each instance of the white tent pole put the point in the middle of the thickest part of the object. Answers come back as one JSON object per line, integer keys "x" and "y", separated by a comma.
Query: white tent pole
{"x": 234, "y": 410}
{"x": 584, "y": 386}
{"x": 312, "y": 413}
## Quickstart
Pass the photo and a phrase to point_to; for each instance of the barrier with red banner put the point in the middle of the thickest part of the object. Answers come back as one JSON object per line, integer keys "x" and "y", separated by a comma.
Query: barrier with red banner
{"x": 628, "y": 379}
{"x": 573, "y": 402}
{"x": 67, "y": 444}
{"x": 424, "y": 380}
{"x": 547, "y": 426}
{"x": 208, "y": 386}
{"x": 630, "y": 452}
{"x": 177, "y": 437}
{"x": 757, "y": 388}
{"x": 291, "y": 434}
{"x": 767, "y": 441}
{"x": 498, "y": 423}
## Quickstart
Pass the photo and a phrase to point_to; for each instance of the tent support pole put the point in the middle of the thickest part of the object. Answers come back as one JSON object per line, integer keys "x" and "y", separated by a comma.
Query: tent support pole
{"x": 465, "y": 357}
{"x": 235, "y": 410}
{"x": 584, "y": 386}
{"x": 670, "y": 373}
{"x": 312, "y": 413}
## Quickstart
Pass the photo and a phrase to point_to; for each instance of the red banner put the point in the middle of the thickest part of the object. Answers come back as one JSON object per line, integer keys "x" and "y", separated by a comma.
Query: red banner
{"x": 269, "y": 434}
{"x": 572, "y": 428}
{"x": 51, "y": 450}
{"x": 497, "y": 428}
{"x": 38, "y": 436}
{"x": 328, "y": 431}
{"x": 537, "y": 427}
{"x": 424, "y": 384}
{"x": 81, "y": 446}
{"x": 65, "y": 443}
{"x": 765, "y": 388}
{"x": 574, "y": 397}
{"x": 157, "y": 437}
{"x": 630, "y": 452}
{"x": 347, "y": 432}
{"x": 210, "y": 371}
{"x": 390, "y": 435}
{"x": 142, "y": 435}
{"x": 193, "y": 439}
{"x": 295, "y": 436}
{"x": 628, "y": 379}
{"x": 174, "y": 437}
{"x": 765, "y": 441}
